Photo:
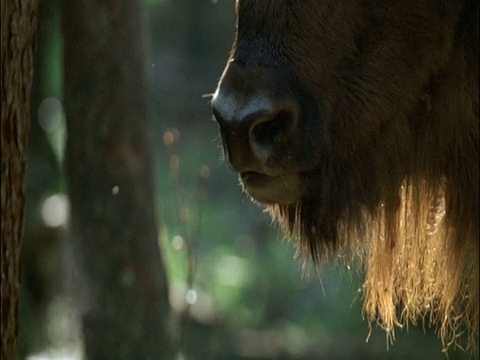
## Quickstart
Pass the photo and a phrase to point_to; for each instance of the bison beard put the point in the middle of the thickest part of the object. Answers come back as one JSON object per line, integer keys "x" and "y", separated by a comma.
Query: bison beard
{"x": 356, "y": 124}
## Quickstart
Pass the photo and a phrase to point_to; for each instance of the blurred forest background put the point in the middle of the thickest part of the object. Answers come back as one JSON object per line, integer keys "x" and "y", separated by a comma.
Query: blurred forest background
{"x": 235, "y": 288}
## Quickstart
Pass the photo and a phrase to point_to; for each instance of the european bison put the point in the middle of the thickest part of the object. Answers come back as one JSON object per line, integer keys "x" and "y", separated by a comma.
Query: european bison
{"x": 356, "y": 124}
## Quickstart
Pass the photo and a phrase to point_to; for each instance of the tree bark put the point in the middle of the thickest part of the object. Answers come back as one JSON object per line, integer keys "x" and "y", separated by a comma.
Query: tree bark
{"x": 19, "y": 23}
{"x": 110, "y": 181}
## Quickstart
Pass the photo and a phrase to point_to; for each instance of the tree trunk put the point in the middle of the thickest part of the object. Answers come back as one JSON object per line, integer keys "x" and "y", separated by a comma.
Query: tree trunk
{"x": 19, "y": 22}
{"x": 110, "y": 181}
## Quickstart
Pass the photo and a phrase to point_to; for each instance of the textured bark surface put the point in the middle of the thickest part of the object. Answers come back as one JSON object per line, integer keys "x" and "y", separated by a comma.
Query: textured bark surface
{"x": 110, "y": 182}
{"x": 19, "y": 22}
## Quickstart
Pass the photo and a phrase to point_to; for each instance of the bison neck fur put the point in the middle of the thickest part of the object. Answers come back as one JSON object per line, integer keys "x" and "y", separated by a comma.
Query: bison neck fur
{"x": 406, "y": 207}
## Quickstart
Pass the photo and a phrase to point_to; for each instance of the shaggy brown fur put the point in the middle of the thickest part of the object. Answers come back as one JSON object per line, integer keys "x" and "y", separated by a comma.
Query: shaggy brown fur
{"x": 394, "y": 85}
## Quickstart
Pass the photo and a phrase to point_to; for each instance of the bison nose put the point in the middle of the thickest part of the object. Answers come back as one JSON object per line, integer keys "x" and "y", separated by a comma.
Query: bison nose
{"x": 254, "y": 129}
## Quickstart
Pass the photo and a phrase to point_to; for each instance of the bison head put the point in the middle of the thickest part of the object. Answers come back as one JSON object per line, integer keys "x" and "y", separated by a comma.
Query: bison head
{"x": 356, "y": 124}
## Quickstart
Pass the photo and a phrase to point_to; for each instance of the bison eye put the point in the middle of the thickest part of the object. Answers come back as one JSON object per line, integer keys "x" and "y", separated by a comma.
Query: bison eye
{"x": 273, "y": 130}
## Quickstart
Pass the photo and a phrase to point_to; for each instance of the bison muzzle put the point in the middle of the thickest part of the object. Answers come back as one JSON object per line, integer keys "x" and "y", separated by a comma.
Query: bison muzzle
{"x": 356, "y": 124}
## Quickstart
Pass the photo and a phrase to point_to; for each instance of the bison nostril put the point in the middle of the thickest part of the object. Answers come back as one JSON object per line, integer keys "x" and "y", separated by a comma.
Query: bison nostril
{"x": 254, "y": 128}
{"x": 273, "y": 130}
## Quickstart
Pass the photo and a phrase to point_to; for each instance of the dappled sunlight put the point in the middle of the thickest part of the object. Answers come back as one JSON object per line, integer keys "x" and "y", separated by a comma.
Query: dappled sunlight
{"x": 50, "y": 114}
{"x": 287, "y": 339}
{"x": 198, "y": 303}
{"x": 63, "y": 327}
{"x": 232, "y": 270}
{"x": 51, "y": 117}
{"x": 55, "y": 210}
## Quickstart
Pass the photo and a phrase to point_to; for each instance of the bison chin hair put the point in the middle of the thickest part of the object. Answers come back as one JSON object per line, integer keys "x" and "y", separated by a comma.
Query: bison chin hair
{"x": 420, "y": 261}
